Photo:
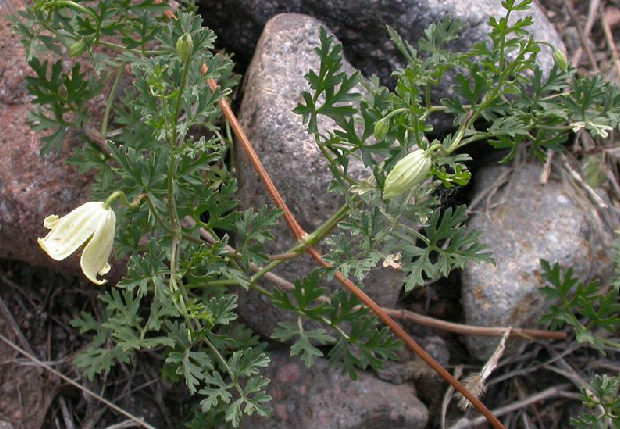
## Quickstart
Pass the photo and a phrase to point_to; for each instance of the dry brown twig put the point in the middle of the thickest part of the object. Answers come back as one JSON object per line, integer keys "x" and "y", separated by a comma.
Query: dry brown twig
{"x": 544, "y": 177}
{"x": 6, "y": 314}
{"x": 593, "y": 196}
{"x": 610, "y": 17}
{"x": 551, "y": 392}
{"x": 448, "y": 395}
{"x": 31, "y": 357}
{"x": 592, "y": 9}
{"x": 476, "y": 382}
{"x": 585, "y": 42}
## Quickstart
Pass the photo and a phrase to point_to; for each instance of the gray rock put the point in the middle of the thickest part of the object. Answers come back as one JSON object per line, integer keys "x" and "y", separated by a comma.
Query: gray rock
{"x": 536, "y": 222}
{"x": 273, "y": 87}
{"x": 361, "y": 25}
{"x": 322, "y": 398}
{"x": 411, "y": 366}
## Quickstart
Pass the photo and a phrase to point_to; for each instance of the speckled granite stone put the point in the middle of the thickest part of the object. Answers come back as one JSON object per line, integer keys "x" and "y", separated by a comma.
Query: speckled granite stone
{"x": 273, "y": 87}
{"x": 536, "y": 222}
{"x": 361, "y": 25}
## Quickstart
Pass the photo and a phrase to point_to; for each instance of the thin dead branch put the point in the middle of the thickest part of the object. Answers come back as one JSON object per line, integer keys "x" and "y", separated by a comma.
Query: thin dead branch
{"x": 544, "y": 177}
{"x": 549, "y": 393}
{"x": 11, "y": 321}
{"x": 609, "y": 17}
{"x": 592, "y": 9}
{"x": 138, "y": 421}
{"x": 406, "y": 315}
{"x": 598, "y": 201}
{"x": 585, "y": 42}
{"x": 447, "y": 398}
{"x": 482, "y": 331}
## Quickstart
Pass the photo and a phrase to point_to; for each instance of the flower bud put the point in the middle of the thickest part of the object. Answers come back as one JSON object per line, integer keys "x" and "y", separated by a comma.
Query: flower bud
{"x": 407, "y": 173}
{"x": 185, "y": 46}
{"x": 77, "y": 49}
{"x": 169, "y": 14}
{"x": 560, "y": 59}
{"x": 382, "y": 126}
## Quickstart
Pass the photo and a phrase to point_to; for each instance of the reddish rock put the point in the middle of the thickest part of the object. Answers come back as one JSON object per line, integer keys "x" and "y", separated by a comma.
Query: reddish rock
{"x": 31, "y": 187}
{"x": 320, "y": 397}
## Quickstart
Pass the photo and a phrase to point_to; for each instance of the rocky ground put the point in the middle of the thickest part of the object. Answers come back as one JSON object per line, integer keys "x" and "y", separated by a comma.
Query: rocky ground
{"x": 39, "y": 386}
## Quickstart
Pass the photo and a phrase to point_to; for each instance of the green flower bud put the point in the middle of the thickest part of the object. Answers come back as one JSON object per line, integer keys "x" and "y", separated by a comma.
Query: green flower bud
{"x": 560, "y": 59}
{"x": 407, "y": 173}
{"x": 382, "y": 126}
{"x": 185, "y": 46}
{"x": 77, "y": 49}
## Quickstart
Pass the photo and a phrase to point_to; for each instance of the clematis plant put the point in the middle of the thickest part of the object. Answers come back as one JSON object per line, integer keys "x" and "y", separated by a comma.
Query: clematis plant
{"x": 179, "y": 295}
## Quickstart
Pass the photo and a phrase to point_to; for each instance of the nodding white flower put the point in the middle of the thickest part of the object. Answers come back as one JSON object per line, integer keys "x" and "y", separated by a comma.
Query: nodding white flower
{"x": 91, "y": 223}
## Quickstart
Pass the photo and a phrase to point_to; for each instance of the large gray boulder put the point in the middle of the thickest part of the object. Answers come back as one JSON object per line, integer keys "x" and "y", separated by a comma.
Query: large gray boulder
{"x": 536, "y": 222}
{"x": 322, "y": 398}
{"x": 361, "y": 25}
{"x": 273, "y": 87}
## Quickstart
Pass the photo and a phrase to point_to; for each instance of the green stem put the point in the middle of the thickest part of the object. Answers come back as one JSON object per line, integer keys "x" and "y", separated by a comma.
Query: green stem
{"x": 502, "y": 46}
{"x": 554, "y": 128}
{"x": 177, "y": 107}
{"x": 172, "y": 207}
{"x": 220, "y": 358}
{"x": 266, "y": 269}
{"x": 124, "y": 49}
{"x": 324, "y": 230}
{"x": 309, "y": 240}
{"x": 331, "y": 160}
{"x": 106, "y": 115}
{"x": 123, "y": 199}
{"x": 428, "y": 101}
{"x": 75, "y": 6}
{"x": 225, "y": 282}
{"x": 176, "y": 224}
{"x": 396, "y": 112}
{"x": 475, "y": 138}
{"x": 169, "y": 230}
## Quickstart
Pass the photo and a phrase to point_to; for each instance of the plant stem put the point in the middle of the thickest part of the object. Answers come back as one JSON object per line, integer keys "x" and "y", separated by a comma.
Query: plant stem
{"x": 172, "y": 208}
{"x": 123, "y": 198}
{"x": 124, "y": 49}
{"x": 104, "y": 123}
{"x": 70, "y": 4}
{"x": 169, "y": 230}
{"x": 310, "y": 240}
{"x": 220, "y": 358}
{"x": 324, "y": 230}
{"x": 266, "y": 269}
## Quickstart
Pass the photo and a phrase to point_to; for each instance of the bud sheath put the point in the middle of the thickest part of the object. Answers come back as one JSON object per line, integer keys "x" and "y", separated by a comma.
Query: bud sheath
{"x": 560, "y": 59}
{"x": 77, "y": 48}
{"x": 407, "y": 173}
{"x": 185, "y": 46}
{"x": 382, "y": 126}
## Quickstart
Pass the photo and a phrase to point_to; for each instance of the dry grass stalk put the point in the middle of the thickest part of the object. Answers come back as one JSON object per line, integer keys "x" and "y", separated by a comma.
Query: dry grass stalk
{"x": 475, "y": 382}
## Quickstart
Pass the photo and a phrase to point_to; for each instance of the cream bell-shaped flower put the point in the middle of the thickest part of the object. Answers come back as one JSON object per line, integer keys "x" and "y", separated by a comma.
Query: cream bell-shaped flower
{"x": 91, "y": 223}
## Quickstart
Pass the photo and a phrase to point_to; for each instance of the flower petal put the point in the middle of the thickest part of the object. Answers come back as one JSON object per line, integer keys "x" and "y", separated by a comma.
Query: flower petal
{"x": 97, "y": 251}
{"x": 71, "y": 231}
{"x": 50, "y": 221}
